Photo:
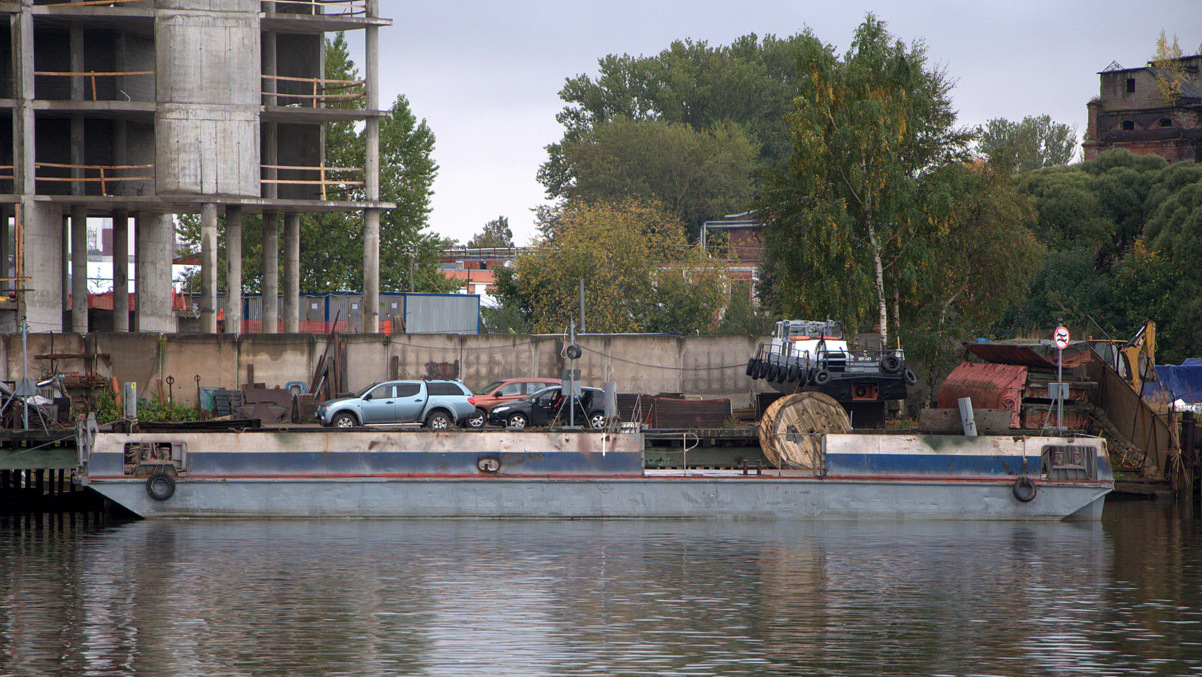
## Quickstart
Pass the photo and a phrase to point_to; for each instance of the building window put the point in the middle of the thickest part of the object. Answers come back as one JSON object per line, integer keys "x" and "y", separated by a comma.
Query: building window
{"x": 1165, "y": 122}
{"x": 1130, "y": 85}
{"x": 1128, "y": 125}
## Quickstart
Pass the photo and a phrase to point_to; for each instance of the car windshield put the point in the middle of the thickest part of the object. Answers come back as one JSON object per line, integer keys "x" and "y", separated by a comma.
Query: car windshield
{"x": 488, "y": 388}
{"x": 535, "y": 395}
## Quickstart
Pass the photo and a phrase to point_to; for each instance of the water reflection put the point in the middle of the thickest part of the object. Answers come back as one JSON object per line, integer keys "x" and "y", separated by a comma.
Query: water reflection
{"x": 602, "y": 597}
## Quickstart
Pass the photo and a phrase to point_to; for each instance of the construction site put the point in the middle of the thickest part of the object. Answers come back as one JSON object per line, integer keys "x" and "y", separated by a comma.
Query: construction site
{"x": 133, "y": 112}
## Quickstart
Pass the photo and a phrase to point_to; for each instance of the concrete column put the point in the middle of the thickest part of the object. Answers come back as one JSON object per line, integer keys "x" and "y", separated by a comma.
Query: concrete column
{"x": 42, "y": 260}
{"x": 5, "y": 248}
{"x": 79, "y": 269}
{"x": 271, "y": 269}
{"x": 121, "y": 271}
{"x": 154, "y": 239}
{"x": 75, "y": 57}
{"x": 64, "y": 271}
{"x": 23, "y": 116}
{"x": 371, "y": 176}
{"x": 208, "y": 268}
{"x": 291, "y": 273}
{"x": 77, "y": 94}
{"x": 233, "y": 269}
{"x": 270, "y": 130}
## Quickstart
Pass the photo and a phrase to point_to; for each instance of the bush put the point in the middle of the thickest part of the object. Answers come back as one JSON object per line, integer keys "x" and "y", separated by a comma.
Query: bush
{"x": 152, "y": 410}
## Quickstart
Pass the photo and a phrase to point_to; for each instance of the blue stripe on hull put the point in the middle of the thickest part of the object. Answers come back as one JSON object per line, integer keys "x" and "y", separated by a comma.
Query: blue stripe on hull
{"x": 928, "y": 465}
{"x": 409, "y": 462}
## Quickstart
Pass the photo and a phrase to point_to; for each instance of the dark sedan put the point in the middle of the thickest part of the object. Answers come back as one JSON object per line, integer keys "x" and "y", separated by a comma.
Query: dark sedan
{"x": 548, "y": 406}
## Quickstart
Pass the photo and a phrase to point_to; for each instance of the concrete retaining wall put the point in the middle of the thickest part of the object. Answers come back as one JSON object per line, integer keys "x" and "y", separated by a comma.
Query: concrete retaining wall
{"x": 700, "y": 366}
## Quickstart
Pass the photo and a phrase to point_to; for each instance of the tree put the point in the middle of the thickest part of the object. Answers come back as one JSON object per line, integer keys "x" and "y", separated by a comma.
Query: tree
{"x": 698, "y": 174}
{"x": 1174, "y": 233}
{"x": 1168, "y": 69}
{"x": 1022, "y": 146}
{"x": 496, "y": 233}
{"x": 867, "y": 131}
{"x": 975, "y": 262}
{"x": 1100, "y": 205}
{"x": 639, "y": 272}
{"x": 749, "y": 84}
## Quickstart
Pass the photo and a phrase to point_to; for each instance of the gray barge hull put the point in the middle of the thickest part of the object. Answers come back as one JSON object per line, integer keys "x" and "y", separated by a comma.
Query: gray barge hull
{"x": 575, "y": 475}
{"x": 725, "y": 498}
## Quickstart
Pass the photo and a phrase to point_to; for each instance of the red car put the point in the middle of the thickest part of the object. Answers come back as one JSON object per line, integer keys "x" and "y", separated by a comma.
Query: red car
{"x": 506, "y": 390}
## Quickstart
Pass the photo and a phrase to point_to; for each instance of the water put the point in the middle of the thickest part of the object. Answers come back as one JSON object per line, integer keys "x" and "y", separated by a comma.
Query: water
{"x": 390, "y": 597}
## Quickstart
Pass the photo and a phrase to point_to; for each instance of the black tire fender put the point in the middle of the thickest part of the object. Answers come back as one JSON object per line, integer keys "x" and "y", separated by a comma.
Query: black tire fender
{"x": 1024, "y": 489}
{"x": 753, "y": 368}
{"x": 891, "y": 364}
{"x": 909, "y": 377}
{"x": 822, "y": 377}
{"x": 160, "y": 486}
{"x": 794, "y": 370}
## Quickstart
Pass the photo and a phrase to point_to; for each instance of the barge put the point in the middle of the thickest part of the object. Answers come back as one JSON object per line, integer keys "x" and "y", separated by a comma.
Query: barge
{"x": 316, "y": 472}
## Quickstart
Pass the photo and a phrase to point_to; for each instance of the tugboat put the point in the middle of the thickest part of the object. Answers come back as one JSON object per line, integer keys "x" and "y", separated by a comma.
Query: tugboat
{"x": 812, "y": 355}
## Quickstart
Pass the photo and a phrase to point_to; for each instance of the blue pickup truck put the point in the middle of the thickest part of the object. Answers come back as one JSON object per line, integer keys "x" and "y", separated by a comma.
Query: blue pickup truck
{"x": 435, "y": 404}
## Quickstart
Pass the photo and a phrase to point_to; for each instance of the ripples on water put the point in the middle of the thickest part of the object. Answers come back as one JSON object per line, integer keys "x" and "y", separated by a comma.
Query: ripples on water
{"x": 603, "y": 597}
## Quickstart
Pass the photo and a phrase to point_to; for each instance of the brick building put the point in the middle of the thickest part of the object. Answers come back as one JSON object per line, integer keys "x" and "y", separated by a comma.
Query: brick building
{"x": 1131, "y": 113}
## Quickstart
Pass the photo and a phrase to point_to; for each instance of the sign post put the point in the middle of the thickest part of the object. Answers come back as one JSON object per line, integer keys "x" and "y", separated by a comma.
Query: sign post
{"x": 1060, "y": 337}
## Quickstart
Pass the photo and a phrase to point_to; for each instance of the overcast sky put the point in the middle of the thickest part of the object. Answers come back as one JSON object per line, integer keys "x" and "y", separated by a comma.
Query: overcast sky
{"x": 486, "y": 75}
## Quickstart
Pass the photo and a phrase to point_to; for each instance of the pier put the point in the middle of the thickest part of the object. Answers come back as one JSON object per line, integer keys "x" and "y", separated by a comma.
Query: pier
{"x": 36, "y": 468}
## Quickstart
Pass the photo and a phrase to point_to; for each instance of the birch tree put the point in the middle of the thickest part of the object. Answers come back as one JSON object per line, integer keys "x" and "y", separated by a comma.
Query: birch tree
{"x": 867, "y": 131}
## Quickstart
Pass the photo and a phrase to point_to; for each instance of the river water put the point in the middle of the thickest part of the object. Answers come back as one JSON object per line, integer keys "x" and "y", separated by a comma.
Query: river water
{"x": 617, "y": 597}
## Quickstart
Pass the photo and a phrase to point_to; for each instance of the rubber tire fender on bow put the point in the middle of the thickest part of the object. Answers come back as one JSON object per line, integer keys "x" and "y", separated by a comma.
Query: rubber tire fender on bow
{"x": 1024, "y": 489}
{"x": 160, "y": 486}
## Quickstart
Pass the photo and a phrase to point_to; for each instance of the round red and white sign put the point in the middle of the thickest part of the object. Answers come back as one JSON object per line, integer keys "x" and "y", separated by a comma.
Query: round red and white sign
{"x": 1060, "y": 337}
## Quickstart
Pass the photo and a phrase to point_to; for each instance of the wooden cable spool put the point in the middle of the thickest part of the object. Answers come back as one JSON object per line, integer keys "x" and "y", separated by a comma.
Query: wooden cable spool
{"x": 807, "y": 416}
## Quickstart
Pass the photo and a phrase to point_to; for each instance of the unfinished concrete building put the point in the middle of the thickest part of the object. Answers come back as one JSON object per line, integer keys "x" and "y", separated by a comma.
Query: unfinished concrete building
{"x": 1132, "y": 112}
{"x": 137, "y": 110}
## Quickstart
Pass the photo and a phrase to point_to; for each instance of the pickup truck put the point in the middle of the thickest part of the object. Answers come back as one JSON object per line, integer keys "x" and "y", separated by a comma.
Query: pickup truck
{"x": 435, "y": 404}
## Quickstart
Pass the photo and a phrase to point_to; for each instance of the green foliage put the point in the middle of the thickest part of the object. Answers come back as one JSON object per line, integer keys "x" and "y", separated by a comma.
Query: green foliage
{"x": 639, "y": 272}
{"x": 1123, "y": 235}
{"x": 1066, "y": 288}
{"x": 1174, "y": 232}
{"x": 496, "y": 233}
{"x": 1034, "y": 143}
{"x": 699, "y": 174}
{"x": 740, "y": 317}
{"x": 976, "y": 260}
{"x": 867, "y": 131}
{"x": 149, "y": 410}
{"x": 732, "y": 99}
{"x": 106, "y": 408}
{"x": 504, "y": 319}
{"x": 159, "y": 411}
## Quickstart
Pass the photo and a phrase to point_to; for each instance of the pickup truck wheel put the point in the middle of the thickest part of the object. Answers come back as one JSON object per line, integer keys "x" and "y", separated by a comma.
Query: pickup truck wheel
{"x": 438, "y": 421}
{"x": 517, "y": 421}
{"x": 597, "y": 421}
{"x": 345, "y": 420}
{"x": 476, "y": 420}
